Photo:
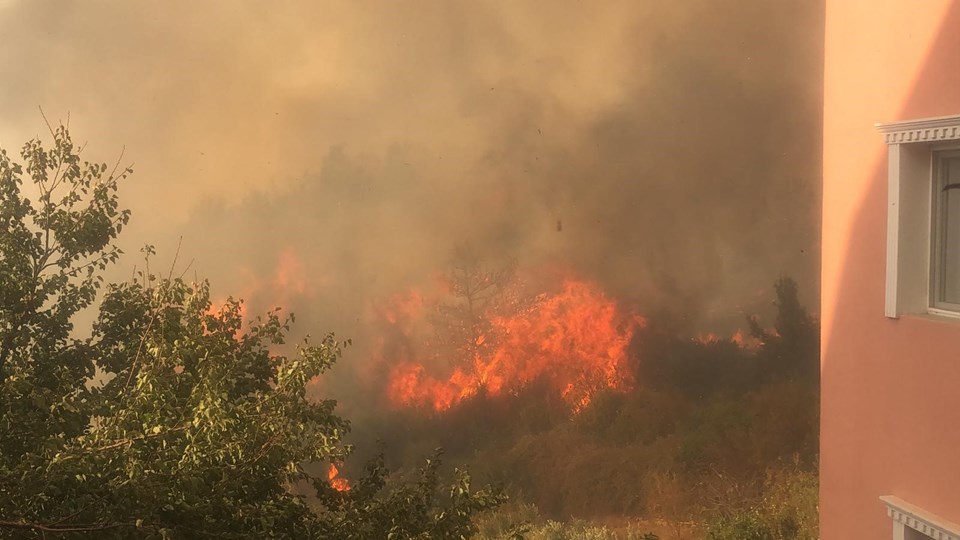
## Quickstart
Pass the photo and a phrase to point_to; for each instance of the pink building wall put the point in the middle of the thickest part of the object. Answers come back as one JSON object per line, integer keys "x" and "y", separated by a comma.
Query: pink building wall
{"x": 890, "y": 415}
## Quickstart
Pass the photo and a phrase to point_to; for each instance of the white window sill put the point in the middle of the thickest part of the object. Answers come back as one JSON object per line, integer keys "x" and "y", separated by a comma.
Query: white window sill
{"x": 944, "y": 314}
{"x": 944, "y": 317}
{"x": 906, "y": 515}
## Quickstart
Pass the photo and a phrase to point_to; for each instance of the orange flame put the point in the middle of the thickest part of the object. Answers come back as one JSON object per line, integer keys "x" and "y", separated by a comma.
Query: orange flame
{"x": 287, "y": 283}
{"x": 745, "y": 341}
{"x": 708, "y": 338}
{"x": 336, "y": 482}
{"x": 402, "y": 307}
{"x": 217, "y": 308}
{"x": 575, "y": 339}
{"x": 289, "y": 276}
{"x": 739, "y": 338}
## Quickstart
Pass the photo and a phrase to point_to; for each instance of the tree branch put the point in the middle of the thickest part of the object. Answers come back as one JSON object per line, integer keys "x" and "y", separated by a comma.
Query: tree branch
{"x": 125, "y": 442}
{"x": 43, "y": 527}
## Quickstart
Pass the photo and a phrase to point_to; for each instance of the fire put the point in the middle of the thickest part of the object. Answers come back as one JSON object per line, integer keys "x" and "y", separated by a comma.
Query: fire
{"x": 290, "y": 276}
{"x": 402, "y": 307}
{"x": 288, "y": 282}
{"x": 745, "y": 341}
{"x": 575, "y": 339}
{"x": 708, "y": 338}
{"x": 217, "y": 308}
{"x": 739, "y": 338}
{"x": 336, "y": 482}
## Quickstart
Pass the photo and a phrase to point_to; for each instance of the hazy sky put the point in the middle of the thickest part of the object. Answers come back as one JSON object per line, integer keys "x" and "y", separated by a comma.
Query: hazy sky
{"x": 326, "y": 154}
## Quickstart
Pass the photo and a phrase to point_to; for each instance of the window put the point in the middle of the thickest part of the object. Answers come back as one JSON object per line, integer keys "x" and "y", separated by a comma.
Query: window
{"x": 945, "y": 277}
{"x": 923, "y": 216}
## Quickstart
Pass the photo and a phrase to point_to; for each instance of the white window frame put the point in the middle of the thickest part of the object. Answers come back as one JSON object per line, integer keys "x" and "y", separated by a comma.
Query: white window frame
{"x": 911, "y": 149}
{"x": 910, "y": 522}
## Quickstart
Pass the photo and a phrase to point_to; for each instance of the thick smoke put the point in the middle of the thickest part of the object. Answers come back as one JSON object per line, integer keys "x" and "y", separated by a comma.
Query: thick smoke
{"x": 326, "y": 155}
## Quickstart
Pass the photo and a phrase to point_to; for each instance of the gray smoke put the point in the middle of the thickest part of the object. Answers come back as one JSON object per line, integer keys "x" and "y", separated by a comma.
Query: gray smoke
{"x": 329, "y": 154}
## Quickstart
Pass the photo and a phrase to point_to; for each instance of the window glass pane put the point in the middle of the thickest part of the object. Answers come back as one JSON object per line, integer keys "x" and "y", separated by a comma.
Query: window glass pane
{"x": 913, "y": 534}
{"x": 950, "y": 232}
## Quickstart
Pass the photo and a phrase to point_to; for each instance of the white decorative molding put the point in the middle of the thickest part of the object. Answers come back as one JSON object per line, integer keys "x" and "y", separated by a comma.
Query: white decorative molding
{"x": 909, "y": 185}
{"x": 940, "y": 128}
{"x": 905, "y": 514}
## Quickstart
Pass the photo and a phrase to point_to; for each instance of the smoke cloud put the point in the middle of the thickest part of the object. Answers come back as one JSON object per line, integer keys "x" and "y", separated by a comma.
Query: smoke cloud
{"x": 327, "y": 154}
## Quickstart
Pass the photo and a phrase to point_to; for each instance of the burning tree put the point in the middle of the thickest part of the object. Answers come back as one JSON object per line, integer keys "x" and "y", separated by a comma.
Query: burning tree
{"x": 498, "y": 339}
{"x": 462, "y": 323}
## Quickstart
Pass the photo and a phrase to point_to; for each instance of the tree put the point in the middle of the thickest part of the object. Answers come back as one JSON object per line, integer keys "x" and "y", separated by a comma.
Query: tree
{"x": 792, "y": 348}
{"x": 51, "y": 253}
{"x": 196, "y": 425}
{"x": 461, "y": 323}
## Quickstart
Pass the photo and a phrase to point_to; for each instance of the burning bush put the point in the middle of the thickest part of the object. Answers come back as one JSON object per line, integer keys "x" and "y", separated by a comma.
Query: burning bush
{"x": 574, "y": 339}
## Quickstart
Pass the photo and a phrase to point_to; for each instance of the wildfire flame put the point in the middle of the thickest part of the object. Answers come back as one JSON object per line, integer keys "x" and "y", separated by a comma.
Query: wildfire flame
{"x": 708, "y": 338}
{"x": 336, "y": 482}
{"x": 575, "y": 339}
{"x": 745, "y": 341}
{"x": 739, "y": 338}
{"x": 288, "y": 281}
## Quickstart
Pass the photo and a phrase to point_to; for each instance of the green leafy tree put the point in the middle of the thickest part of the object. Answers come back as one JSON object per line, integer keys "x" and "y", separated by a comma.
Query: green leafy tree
{"x": 51, "y": 253}
{"x": 196, "y": 425}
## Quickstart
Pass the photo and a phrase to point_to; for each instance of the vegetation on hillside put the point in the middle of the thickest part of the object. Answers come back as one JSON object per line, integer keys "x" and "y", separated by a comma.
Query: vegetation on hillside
{"x": 174, "y": 418}
{"x": 178, "y": 418}
{"x": 718, "y": 436}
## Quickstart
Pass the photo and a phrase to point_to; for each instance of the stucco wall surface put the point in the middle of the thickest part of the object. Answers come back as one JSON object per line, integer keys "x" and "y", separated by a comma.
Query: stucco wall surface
{"x": 890, "y": 417}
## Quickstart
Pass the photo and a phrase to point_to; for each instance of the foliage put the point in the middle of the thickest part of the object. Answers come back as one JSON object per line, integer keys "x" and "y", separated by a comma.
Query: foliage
{"x": 523, "y": 521}
{"x": 748, "y": 525}
{"x": 788, "y": 511}
{"x": 51, "y": 253}
{"x": 698, "y": 435}
{"x": 700, "y": 369}
{"x": 633, "y": 535}
{"x": 556, "y": 530}
{"x": 197, "y": 423}
{"x": 792, "y": 349}
{"x": 576, "y": 530}
{"x": 507, "y": 522}
{"x": 408, "y": 511}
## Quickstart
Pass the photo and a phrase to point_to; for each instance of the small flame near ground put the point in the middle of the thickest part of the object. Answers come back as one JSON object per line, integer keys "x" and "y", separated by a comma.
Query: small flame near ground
{"x": 739, "y": 338}
{"x": 336, "y": 482}
{"x": 576, "y": 339}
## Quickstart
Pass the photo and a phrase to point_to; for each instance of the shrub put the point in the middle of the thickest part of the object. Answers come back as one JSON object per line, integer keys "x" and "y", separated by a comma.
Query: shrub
{"x": 788, "y": 511}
